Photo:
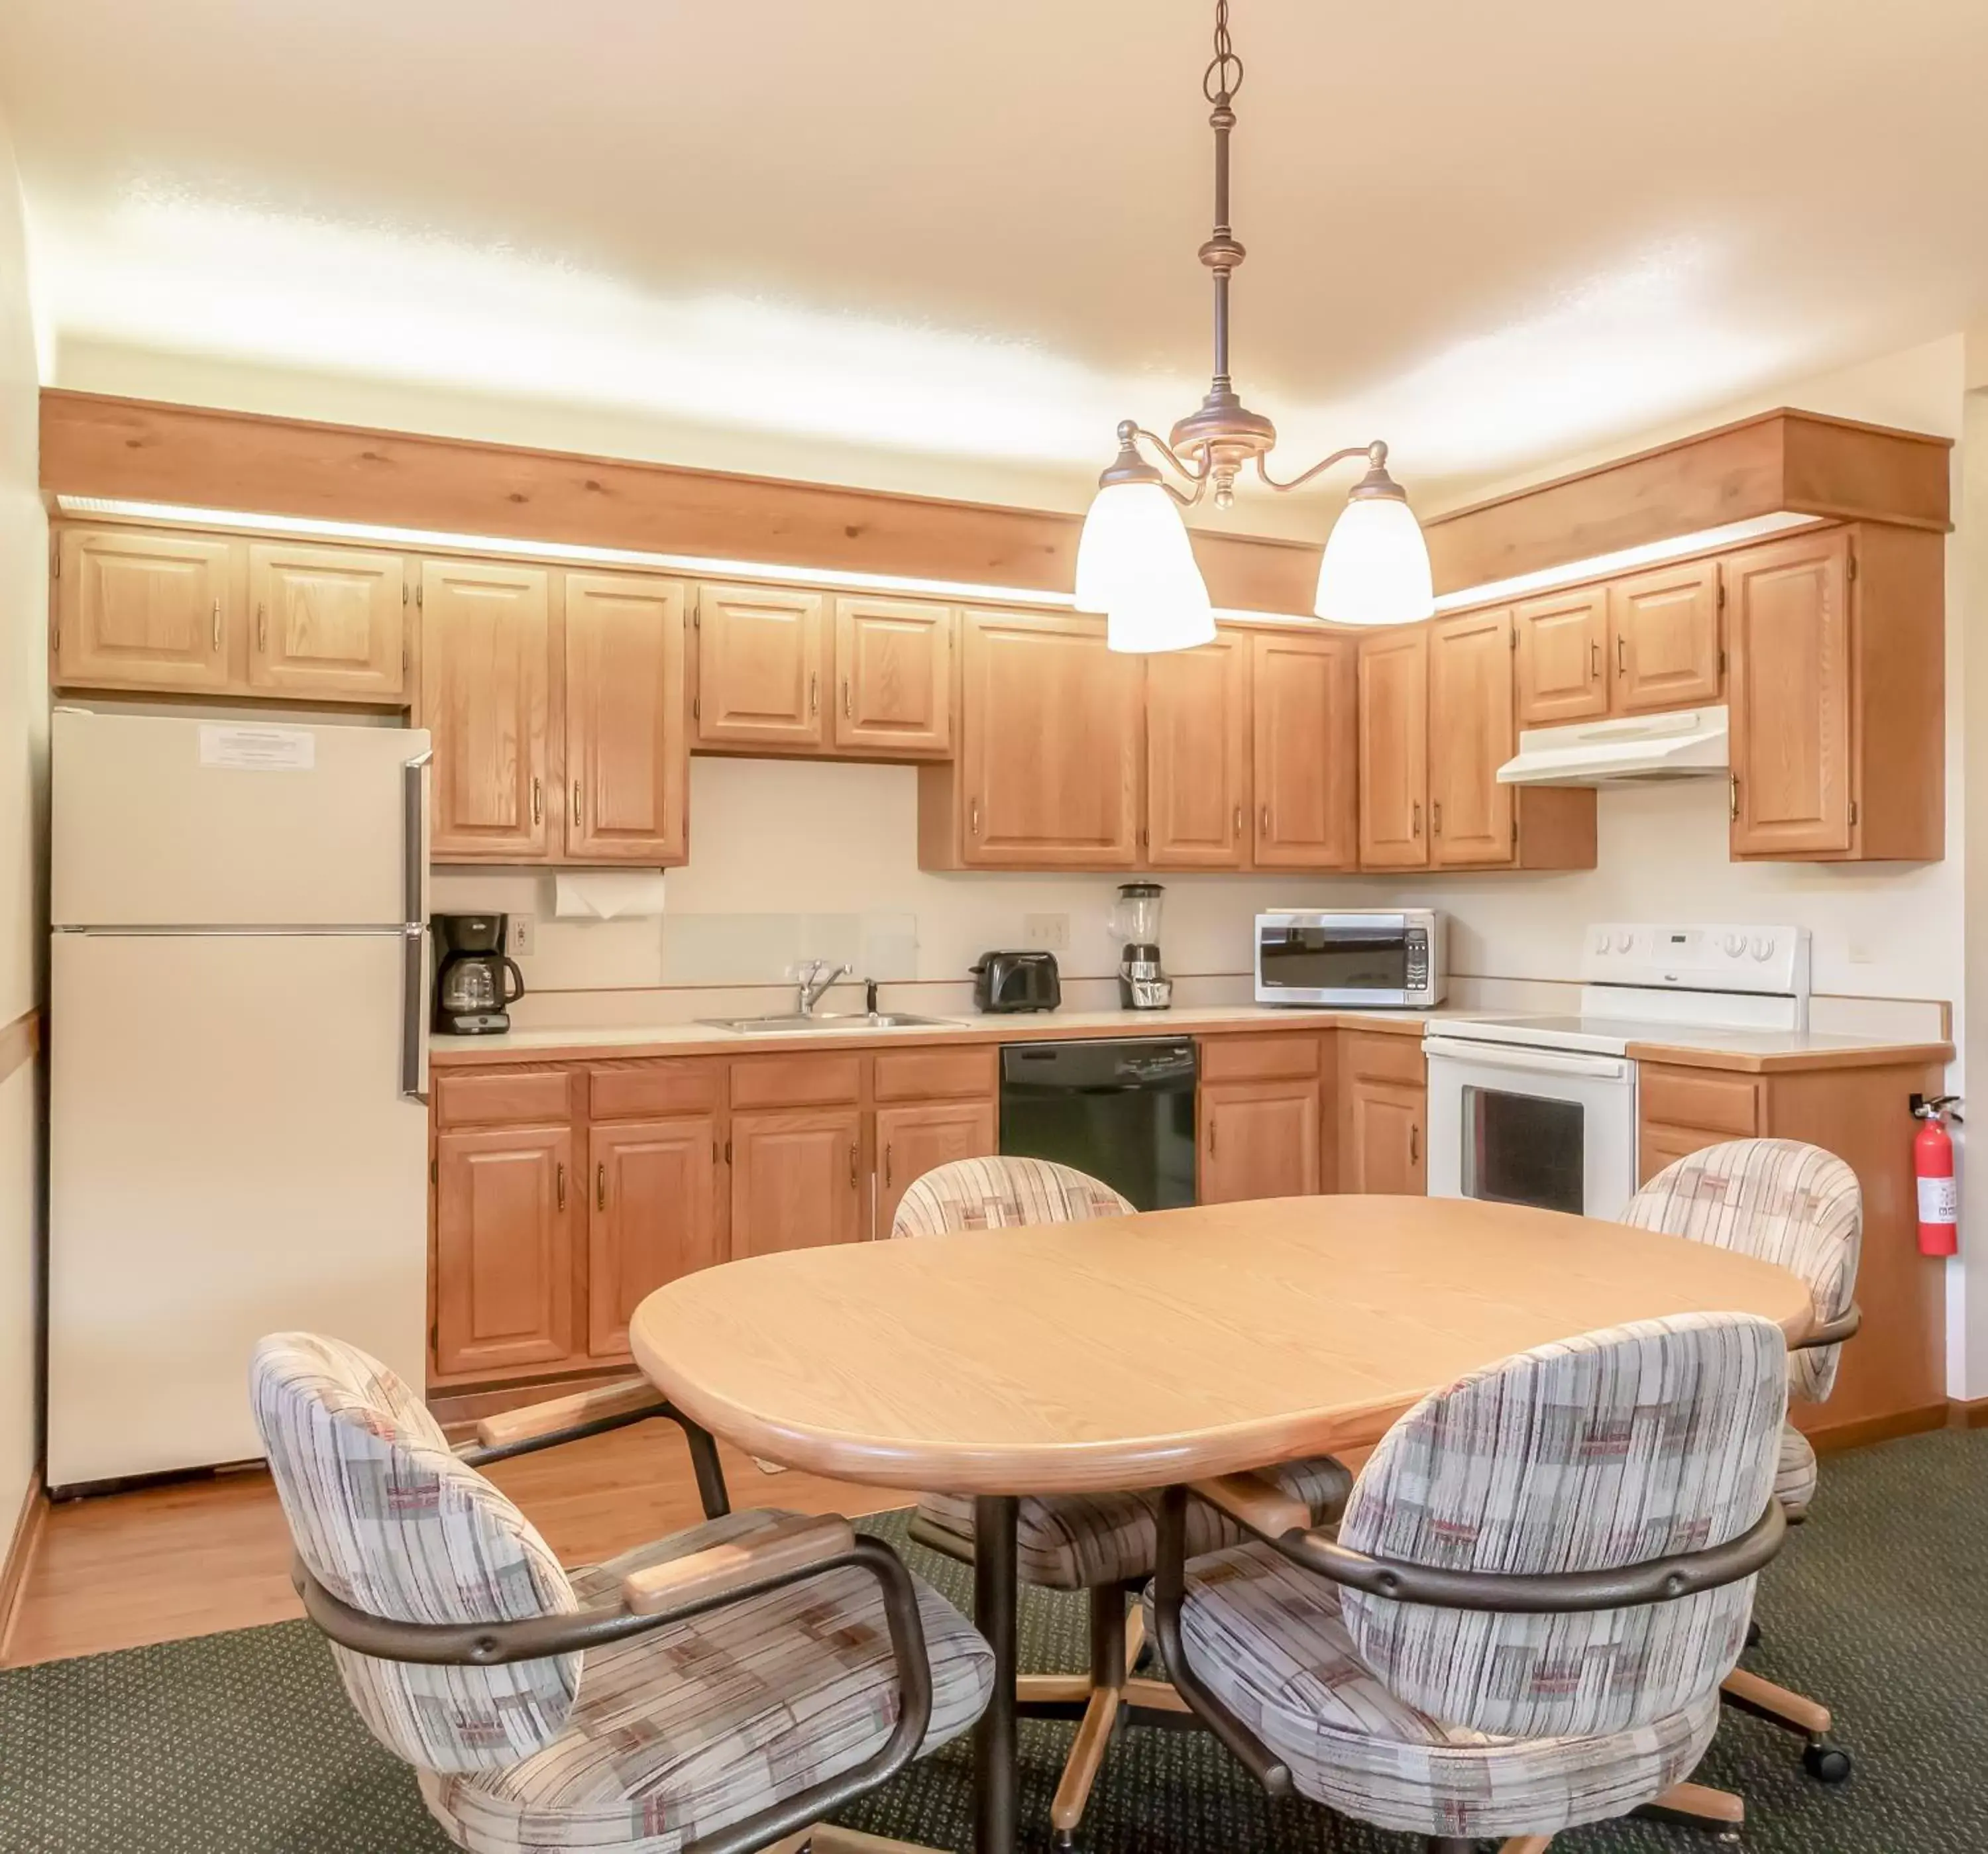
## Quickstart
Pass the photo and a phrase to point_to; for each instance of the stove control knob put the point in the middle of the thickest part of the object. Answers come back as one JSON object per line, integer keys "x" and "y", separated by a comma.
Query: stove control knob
{"x": 1736, "y": 944}
{"x": 1601, "y": 940}
{"x": 1763, "y": 947}
{"x": 1624, "y": 940}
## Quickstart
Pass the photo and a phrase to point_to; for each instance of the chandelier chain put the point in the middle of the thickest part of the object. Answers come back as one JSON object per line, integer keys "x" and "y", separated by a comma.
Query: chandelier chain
{"x": 1223, "y": 78}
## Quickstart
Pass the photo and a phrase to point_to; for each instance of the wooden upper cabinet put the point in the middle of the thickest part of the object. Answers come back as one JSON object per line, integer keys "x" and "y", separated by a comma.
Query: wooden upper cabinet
{"x": 1665, "y": 652}
{"x": 142, "y": 611}
{"x": 1471, "y": 735}
{"x": 626, "y": 744}
{"x": 1258, "y": 1140}
{"x": 919, "y": 1137}
{"x": 1197, "y": 756}
{"x": 1394, "y": 749}
{"x": 893, "y": 676}
{"x": 1303, "y": 733}
{"x": 761, "y": 667}
{"x": 652, "y": 1216}
{"x": 328, "y": 621}
{"x": 1048, "y": 769}
{"x": 797, "y": 1179}
{"x": 505, "y": 1200}
{"x": 1788, "y": 613}
{"x": 1562, "y": 670}
{"x": 486, "y": 696}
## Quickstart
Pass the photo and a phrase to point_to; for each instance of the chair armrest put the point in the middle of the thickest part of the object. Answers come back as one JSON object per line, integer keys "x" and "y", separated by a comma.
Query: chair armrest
{"x": 1831, "y": 1331}
{"x": 625, "y": 1397}
{"x": 792, "y": 1546}
{"x": 1265, "y": 1509}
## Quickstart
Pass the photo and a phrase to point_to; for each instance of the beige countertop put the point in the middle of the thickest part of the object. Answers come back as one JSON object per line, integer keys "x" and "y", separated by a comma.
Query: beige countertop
{"x": 1748, "y": 1050}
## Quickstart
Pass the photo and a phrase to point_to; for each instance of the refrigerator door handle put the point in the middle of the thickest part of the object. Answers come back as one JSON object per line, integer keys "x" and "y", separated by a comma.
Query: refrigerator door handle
{"x": 414, "y": 929}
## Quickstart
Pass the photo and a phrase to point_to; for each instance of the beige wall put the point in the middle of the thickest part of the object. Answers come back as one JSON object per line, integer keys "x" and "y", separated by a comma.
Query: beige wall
{"x": 23, "y": 780}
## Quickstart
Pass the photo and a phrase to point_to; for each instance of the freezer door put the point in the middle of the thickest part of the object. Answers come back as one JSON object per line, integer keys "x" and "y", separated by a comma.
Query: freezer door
{"x": 230, "y": 1155}
{"x": 158, "y": 821}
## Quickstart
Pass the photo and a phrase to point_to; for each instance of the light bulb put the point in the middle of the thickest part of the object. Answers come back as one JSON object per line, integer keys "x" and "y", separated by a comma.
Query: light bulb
{"x": 1376, "y": 568}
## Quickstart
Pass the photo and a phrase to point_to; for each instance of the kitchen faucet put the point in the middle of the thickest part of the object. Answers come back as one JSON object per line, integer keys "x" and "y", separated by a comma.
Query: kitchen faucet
{"x": 814, "y": 978}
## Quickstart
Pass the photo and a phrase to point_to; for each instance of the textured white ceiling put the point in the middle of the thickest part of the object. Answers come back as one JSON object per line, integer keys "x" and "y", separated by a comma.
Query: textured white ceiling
{"x": 1493, "y": 235}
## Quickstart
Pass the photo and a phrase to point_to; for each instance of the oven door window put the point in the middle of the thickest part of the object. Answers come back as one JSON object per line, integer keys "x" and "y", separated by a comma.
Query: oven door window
{"x": 1524, "y": 1149}
{"x": 1335, "y": 959}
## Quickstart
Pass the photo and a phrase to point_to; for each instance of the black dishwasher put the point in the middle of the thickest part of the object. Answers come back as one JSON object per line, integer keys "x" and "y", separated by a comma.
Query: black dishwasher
{"x": 1122, "y": 1112}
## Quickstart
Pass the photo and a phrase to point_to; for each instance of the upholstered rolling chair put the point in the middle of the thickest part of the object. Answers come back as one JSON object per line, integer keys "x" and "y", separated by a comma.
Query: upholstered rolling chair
{"x": 1100, "y": 1543}
{"x": 1543, "y": 1574}
{"x": 1800, "y": 1206}
{"x": 707, "y": 1694}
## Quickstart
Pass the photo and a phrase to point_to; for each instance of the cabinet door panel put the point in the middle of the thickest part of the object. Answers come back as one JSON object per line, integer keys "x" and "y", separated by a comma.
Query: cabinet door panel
{"x": 504, "y": 1248}
{"x": 1388, "y": 1152}
{"x": 1050, "y": 744}
{"x": 627, "y": 745}
{"x": 760, "y": 667}
{"x": 1258, "y": 1140}
{"x": 914, "y": 1139}
{"x": 653, "y": 1217}
{"x": 486, "y": 696}
{"x": 796, "y": 1179}
{"x": 328, "y": 621}
{"x": 1304, "y": 731}
{"x": 1787, "y": 607}
{"x": 1471, "y": 735}
{"x": 144, "y": 611}
{"x": 893, "y": 676}
{"x": 1197, "y": 756}
{"x": 1666, "y": 637}
{"x": 1394, "y": 750}
{"x": 1562, "y": 670}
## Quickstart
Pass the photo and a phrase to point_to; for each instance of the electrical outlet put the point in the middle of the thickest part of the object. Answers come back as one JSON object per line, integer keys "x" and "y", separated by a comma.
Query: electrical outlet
{"x": 520, "y": 935}
{"x": 1050, "y": 932}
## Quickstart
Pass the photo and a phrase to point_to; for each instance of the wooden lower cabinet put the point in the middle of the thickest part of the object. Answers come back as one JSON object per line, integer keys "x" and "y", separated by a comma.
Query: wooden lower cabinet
{"x": 916, "y": 1138}
{"x": 1258, "y": 1140}
{"x": 1384, "y": 1096}
{"x": 506, "y": 1199}
{"x": 797, "y": 1179}
{"x": 652, "y": 1216}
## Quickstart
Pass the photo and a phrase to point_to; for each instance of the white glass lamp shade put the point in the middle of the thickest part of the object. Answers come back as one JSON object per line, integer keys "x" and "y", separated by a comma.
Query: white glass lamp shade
{"x": 1376, "y": 568}
{"x": 1134, "y": 565}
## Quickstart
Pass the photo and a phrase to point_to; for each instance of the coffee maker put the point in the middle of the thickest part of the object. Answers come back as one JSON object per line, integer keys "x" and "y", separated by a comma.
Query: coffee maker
{"x": 470, "y": 969}
{"x": 1142, "y": 986}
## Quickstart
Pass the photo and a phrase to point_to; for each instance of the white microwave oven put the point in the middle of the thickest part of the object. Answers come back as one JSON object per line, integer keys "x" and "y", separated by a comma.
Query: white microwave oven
{"x": 1393, "y": 960}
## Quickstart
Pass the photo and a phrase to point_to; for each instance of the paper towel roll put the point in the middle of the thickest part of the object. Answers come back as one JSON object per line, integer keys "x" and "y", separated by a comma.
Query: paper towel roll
{"x": 608, "y": 894}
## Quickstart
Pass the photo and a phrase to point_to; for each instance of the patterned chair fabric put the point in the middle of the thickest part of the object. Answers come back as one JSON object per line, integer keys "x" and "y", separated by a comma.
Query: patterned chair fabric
{"x": 1795, "y": 1475}
{"x": 389, "y": 1521}
{"x": 683, "y": 1731}
{"x": 1071, "y": 1541}
{"x": 1001, "y": 1194}
{"x": 1589, "y": 1454}
{"x": 1781, "y": 1200}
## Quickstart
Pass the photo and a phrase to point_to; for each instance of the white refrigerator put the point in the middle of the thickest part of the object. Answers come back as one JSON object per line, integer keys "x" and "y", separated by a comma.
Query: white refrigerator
{"x": 238, "y": 1071}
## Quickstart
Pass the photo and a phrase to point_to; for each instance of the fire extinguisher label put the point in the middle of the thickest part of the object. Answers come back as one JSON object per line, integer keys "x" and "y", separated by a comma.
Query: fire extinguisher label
{"x": 1939, "y": 1200}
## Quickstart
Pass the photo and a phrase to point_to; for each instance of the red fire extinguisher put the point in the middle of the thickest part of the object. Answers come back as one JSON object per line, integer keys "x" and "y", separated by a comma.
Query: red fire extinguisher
{"x": 1932, "y": 1165}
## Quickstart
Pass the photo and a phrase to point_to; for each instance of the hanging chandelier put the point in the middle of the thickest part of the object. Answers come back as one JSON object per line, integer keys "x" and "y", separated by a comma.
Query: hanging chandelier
{"x": 1134, "y": 561}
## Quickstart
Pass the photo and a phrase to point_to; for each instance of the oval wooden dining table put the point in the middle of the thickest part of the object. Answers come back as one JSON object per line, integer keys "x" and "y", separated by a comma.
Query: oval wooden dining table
{"x": 1140, "y": 1351}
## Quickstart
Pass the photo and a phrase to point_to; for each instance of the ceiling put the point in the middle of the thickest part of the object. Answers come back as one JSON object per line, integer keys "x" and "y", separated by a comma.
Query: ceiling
{"x": 1494, "y": 235}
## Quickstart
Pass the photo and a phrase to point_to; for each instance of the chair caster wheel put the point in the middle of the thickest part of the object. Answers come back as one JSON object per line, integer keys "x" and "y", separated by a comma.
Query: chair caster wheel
{"x": 1063, "y": 1841}
{"x": 1825, "y": 1762}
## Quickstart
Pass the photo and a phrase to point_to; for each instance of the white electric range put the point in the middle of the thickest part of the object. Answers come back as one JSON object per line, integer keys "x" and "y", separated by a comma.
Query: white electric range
{"x": 1542, "y": 1110}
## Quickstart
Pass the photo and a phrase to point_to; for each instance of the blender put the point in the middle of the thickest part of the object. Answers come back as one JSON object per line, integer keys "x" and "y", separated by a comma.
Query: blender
{"x": 1142, "y": 986}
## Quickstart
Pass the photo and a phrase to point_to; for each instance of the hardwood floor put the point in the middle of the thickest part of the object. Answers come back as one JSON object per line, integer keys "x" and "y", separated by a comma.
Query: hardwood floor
{"x": 122, "y": 1570}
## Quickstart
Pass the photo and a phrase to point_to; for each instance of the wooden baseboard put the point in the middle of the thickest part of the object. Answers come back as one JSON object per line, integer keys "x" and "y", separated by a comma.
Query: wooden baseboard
{"x": 21, "y": 1556}
{"x": 1861, "y": 1431}
{"x": 1967, "y": 1413}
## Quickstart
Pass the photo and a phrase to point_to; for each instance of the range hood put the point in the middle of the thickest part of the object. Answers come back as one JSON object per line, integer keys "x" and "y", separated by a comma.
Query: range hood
{"x": 1690, "y": 743}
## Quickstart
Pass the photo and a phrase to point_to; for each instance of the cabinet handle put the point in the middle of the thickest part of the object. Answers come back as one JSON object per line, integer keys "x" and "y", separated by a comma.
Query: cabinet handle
{"x": 1414, "y": 1143}
{"x": 973, "y": 816}
{"x": 1594, "y": 660}
{"x": 600, "y": 1188}
{"x": 576, "y": 804}
{"x": 1211, "y": 1136}
{"x": 886, "y": 1168}
{"x": 1415, "y": 829}
{"x": 847, "y": 709}
{"x": 262, "y": 627}
{"x": 1239, "y": 822}
{"x": 1435, "y": 819}
{"x": 216, "y": 624}
{"x": 561, "y": 1171}
{"x": 1263, "y": 818}
{"x": 1732, "y": 779}
{"x": 852, "y": 1168}
{"x": 538, "y": 800}
{"x": 814, "y": 692}
{"x": 1621, "y": 654}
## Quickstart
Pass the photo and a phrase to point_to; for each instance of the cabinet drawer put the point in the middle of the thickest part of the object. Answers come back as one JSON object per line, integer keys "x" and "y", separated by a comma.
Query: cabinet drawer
{"x": 795, "y": 1081}
{"x": 1379, "y": 1056}
{"x": 1701, "y": 1098}
{"x": 934, "y": 1075}
{"x": 1283, "y": 1057}
{"x": 499, "y": 1097}
{"x": 655, "y": 1090}
{"x": 1659, "y": 1146}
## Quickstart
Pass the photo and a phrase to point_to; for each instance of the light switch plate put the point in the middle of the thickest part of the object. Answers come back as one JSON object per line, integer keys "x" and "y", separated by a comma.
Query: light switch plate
{"x": 520, "y": 935}
{"x": 1049, "y": 932}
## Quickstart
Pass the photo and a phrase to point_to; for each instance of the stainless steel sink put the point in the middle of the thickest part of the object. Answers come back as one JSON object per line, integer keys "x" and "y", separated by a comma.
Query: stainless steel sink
{"x": 829, "y": 1020}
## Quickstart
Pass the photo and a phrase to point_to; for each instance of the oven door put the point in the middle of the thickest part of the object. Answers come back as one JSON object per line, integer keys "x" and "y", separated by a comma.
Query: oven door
{"x": 1546, "y": 1127}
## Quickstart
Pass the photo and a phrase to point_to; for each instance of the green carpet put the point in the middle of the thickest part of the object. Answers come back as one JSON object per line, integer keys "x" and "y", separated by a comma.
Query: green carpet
{"x": 242, "y": 1744}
